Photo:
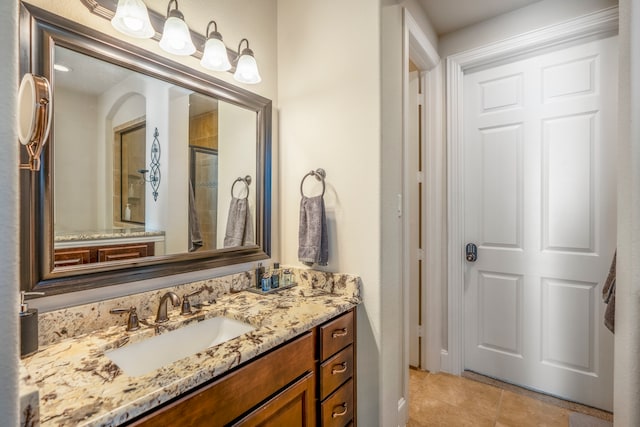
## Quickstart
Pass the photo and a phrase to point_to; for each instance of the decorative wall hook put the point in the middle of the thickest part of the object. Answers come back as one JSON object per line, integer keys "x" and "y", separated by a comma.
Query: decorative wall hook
{"x": 154, "y": 171}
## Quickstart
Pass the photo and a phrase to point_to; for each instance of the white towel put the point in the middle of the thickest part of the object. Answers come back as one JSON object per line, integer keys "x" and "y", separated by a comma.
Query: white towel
{"x": 313, "y": 243}
{"x": 239, "y": 225}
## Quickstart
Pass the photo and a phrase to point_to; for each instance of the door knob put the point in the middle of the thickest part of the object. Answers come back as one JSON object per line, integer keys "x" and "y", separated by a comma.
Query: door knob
{"x": 471, "y": 252}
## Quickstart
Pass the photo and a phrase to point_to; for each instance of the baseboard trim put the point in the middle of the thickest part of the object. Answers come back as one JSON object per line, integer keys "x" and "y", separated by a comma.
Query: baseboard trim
{"x": 403, "y": 412}
{"x": 444, "y": 361}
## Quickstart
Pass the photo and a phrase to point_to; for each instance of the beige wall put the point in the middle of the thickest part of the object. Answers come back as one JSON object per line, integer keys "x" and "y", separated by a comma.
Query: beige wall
{"x": 626, "y": 405}
{"x": 9, "y": 215}
{"x": 75, "y": 186}
{"x": 391, "y": 177}
{"x": 329, "y": 98}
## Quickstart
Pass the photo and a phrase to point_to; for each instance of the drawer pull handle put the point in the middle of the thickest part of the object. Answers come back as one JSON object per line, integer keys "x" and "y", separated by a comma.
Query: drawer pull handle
{"x": 339, "y": 333}
{"x": 335, "y": 370}
{"x": 335, "y": 414}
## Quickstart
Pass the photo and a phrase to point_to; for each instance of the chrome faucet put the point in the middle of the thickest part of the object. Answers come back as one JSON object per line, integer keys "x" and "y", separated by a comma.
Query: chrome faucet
{"x": 133, "y": 324}
{"x": 162, "y": 317}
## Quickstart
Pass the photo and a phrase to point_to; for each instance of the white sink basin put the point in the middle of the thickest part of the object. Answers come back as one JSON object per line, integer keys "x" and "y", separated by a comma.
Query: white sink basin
{"x": 143, "y": 357}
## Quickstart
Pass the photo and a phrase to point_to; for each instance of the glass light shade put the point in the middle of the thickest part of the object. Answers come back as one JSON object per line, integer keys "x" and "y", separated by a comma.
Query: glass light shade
{"x": 176, "y": 38}
{"x": 247, "y": 70}
{"x": 132, "y": 19}
{"x": 215, "y": 56}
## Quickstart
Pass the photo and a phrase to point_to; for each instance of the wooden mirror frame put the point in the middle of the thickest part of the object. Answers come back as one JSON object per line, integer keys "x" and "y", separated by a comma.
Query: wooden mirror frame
{"x": 40, "y": 31}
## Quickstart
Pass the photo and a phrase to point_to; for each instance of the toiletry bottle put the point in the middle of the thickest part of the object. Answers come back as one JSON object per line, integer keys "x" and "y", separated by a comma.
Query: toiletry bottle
{"x": 259, "y": 274}
{"x": 286, "y": 278}
{"x": 127, "y": 213}
{"x": 275, "y": 276}
{"x": 28, "y": 326}
{"x": 266, "y": 282}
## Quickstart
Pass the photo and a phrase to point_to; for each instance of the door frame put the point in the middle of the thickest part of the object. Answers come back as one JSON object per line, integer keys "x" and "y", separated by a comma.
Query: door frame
{"x": 596, "y": 25}
{"x": 417, "y": 47}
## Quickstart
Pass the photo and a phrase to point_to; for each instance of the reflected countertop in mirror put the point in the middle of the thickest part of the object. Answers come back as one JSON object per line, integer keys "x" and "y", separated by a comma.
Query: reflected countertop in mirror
{"x": 62, "y": 237}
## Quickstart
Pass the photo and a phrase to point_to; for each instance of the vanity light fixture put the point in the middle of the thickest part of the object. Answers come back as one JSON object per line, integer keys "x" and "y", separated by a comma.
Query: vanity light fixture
{"x": 132, "y": 19}
{"x": 215, "y": 52}
{"x": 247, "y": 68}
{"x": 176, "y": 37}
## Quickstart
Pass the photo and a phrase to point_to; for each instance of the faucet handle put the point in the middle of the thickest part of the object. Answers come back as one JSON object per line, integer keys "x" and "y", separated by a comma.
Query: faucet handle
{"x": 133, "y": 323}
{"x": 186, "y": 305}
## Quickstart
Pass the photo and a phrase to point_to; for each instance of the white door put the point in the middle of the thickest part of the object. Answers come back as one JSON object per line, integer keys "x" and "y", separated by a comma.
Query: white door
{"x": 413, "y": 194}
{"x": 540, "y": 197}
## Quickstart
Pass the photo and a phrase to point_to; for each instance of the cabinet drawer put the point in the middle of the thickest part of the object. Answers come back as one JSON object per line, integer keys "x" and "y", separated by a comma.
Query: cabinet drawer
{"x": 67, "y": 257}
{"x": 117, "y": 253}
{"x": 337, "y": 410}
{"x": 336, "y": 335}
{"x": 335, "y": 371}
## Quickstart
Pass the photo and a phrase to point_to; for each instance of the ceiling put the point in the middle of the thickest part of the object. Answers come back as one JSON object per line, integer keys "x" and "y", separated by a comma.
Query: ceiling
{"x": 93, "y": 77}
{"x": 450, "y": 15}
{"x": 103, "y": 75}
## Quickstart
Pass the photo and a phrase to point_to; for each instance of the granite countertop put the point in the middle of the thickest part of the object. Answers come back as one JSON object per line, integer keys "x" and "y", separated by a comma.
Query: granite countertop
{"x": 80, "y": 386}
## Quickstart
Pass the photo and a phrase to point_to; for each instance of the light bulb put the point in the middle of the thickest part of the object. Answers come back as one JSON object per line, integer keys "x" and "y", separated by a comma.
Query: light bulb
{"x": 176, "y": 37}
{"x": 247, "y": 70}
{"x": 132, "y": 19}
{"x": 215, "y": 56}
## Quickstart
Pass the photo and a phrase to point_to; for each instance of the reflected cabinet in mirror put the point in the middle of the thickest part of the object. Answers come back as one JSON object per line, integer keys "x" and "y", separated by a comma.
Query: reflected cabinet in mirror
{"x": 152, "y": 168}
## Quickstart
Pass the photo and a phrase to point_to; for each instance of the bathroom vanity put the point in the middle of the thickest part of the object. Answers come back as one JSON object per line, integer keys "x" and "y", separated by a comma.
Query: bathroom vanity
{"x": 297, "y": 367}
{"x": 267, "y": 391}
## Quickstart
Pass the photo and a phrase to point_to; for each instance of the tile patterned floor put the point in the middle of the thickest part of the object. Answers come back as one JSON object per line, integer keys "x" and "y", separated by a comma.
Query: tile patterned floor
{"x": 451, "y": 401}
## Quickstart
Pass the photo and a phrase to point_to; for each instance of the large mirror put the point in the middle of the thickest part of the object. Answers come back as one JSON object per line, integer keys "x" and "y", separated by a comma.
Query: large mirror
{"x": 151, "y": 169}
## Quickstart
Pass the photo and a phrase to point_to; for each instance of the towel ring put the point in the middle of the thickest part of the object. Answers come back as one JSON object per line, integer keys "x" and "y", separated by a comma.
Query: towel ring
{"x": 319, "y": 174}
{"x": 246, "y": 180}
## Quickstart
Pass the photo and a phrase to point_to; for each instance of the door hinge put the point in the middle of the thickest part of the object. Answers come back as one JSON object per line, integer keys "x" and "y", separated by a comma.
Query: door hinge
{"x": 420, "y": 330}
{"x": 420, "y": 254}
{"x": 420, "y": 177}
{"x": 399, "y": 209}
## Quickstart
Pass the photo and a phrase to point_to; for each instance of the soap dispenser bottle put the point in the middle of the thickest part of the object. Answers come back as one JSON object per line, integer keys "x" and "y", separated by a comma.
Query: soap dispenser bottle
{"x": 28, "y": 326}
{"x": 275, "y": 276}
{"x": 259, "y": 274}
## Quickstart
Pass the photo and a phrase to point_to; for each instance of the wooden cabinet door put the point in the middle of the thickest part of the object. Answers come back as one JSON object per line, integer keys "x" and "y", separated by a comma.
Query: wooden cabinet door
{"x": 293, "y": 407}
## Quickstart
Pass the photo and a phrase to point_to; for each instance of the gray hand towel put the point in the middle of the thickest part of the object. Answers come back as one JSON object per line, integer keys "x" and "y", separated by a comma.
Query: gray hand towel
{"x": 609, "y": 296}
{"x": 195, "y": 236}
{"x": 239, "y": 225}
{"x": 313, "y": 244}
